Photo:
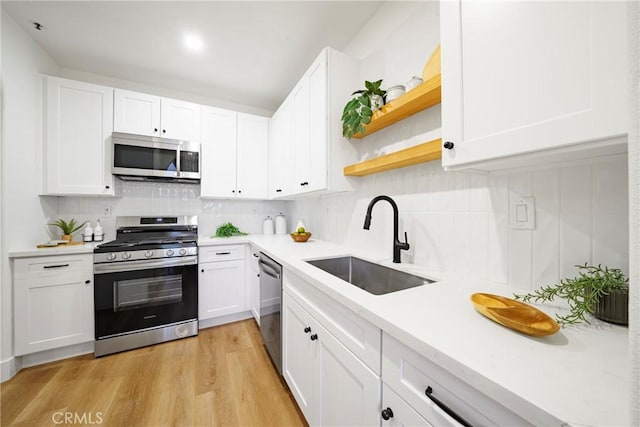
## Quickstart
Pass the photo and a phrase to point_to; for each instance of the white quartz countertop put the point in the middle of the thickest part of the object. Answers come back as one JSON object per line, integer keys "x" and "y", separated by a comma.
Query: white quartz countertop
{"x": 578, "y": 376}
{"x": 56, "y": 250}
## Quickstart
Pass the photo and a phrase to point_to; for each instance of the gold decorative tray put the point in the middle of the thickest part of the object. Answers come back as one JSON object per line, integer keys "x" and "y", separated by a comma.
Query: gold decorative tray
{"x": 515, "y": 315}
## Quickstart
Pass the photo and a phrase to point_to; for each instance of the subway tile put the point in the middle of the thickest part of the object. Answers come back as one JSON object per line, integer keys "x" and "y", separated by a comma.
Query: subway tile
{"x": 460, "y": 196}
{"x": 478, "y": 194}
{"x": 610, "y": 188}
{"x": 546, "y": 189}
{"x": 498, "y": 194}
{"x": 460, "y": 237}
{"x": 575, "y": 238}
{"x": 520, "y": 258}
{"x": 479, "y": 244}
{"x": 575, "y": 189}
{"x": 546, "y": 250}
{"x": 611, "y": 241}
{"x": 498, "y": 247}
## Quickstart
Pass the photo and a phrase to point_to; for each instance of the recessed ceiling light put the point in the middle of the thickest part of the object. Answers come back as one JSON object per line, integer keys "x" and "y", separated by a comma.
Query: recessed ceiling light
{"x": 193, "y": 42}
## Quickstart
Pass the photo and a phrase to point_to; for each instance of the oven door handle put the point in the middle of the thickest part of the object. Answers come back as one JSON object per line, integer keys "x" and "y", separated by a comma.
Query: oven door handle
{"x": 143, "y": 264}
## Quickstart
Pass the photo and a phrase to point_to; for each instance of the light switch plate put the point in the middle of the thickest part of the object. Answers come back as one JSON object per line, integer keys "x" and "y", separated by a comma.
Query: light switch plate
{"x": 522, "y": 213}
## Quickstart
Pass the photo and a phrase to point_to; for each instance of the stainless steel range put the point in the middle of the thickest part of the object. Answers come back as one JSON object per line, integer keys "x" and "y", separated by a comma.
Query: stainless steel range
{"x": 146, "y": 283}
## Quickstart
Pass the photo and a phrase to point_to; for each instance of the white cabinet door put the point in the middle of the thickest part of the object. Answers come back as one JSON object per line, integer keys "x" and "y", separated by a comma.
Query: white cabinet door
{"x": 180, "y": 120}
{"x": 53, "y": 302}
{"x": 218, "y": 176}
{"x": 298, "y": 354}
{"x": 300, "y": 116}
{"x": 78, "y": 127}
{"x": 541, "y": 76}
{"x": 221, "y": 289}
{"x": 330, "y": 384}
{"x": 252, "y": 156}
{"x": 280, "y": 152}
{"x": 318, "y": 141}
{"x": 348, "y": 393}
{"x": 137, "y": 113}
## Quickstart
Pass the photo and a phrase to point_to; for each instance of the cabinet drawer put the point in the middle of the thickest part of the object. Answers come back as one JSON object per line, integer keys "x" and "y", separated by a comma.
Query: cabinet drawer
{"x": 221, "y": 253}
{"x": 410, "y": 374}
{"x": 49, "y": 267}
{"x": 354, "y": 332}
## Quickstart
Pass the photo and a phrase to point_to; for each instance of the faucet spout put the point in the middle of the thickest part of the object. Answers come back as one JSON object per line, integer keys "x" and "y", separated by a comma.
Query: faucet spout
{"x": 397, "y": 244}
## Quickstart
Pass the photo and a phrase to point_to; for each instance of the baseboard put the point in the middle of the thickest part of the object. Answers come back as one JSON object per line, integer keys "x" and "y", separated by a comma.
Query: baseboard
{"x": 9, "y": 368}
{"x": 216, "y": 321}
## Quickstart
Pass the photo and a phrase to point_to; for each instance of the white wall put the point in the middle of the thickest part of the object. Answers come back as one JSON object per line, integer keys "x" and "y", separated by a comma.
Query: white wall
{"x": 634, "y": 186}
{"x": 23, "y": 212}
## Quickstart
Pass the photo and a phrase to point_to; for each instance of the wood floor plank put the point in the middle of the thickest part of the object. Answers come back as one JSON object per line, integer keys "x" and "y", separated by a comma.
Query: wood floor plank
{"x": 222, "y": 377}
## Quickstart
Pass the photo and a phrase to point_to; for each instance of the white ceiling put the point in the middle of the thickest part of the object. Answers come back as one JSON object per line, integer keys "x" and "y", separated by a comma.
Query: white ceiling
{"x": 254, "y": 52}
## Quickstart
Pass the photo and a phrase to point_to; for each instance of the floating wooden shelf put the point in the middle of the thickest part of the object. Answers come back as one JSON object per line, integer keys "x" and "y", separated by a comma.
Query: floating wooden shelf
{"x": 420, "y": 153}
{"x": 420, "y": 98}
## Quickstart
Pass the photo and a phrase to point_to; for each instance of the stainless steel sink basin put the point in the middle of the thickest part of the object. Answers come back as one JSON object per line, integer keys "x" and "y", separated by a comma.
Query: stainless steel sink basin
{"x": 373, "y": 278}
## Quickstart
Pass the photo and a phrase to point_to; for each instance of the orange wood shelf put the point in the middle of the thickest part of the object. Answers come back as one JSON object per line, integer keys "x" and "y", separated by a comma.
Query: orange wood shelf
{"x": 420, "y": 153}
{"x": 420, "y": 98}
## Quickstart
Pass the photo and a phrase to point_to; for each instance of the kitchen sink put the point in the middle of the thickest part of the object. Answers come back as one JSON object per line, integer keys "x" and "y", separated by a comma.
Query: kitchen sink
{"x": 373, "y": 278}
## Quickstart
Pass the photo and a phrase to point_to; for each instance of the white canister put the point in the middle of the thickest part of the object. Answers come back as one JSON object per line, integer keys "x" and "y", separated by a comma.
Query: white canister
{"x": 394, "y": 92}
{"x": 87, "y": 234}
{"x": 267, "y": 226}
{"x": 98, "y": 232}
{"x": 413, "y": 83}
{"x": 281, "y": 224}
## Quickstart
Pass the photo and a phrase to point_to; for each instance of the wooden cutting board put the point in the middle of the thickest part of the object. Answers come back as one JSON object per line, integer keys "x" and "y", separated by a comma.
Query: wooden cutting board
{"x": 48, "y": 245}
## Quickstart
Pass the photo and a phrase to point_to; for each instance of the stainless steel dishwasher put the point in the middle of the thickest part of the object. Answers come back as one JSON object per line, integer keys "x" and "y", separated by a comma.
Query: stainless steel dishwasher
{"x": 270, "y": 301}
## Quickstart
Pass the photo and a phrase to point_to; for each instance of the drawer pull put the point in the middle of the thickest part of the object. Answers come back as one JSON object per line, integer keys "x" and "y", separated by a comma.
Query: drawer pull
{"x": 307, "y": 329}
{"x": 314, "y": 337}
{"x": 445, "y": 408}
{"x": 223, "y": 253}
{"x": 387, "y": 413}
{"x": 56, "y": 266}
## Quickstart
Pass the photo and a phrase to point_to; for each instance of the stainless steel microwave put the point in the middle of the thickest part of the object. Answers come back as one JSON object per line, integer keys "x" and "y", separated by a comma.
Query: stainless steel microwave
{"x": 139, "y": 157}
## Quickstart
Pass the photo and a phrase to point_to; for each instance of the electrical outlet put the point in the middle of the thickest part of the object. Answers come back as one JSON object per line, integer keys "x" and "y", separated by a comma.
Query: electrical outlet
{"x": 106, "y": 210}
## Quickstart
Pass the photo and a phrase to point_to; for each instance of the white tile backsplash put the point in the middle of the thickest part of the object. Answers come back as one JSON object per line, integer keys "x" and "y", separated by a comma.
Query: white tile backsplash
{"x": 460, "y": 221}
{"x": 147, "y": 198}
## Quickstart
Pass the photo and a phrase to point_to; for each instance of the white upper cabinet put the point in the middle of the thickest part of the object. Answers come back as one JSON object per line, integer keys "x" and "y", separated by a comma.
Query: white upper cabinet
{"x": 310, "y": 134}
{"x": 78, "y": 122}
{"x": 252, "y": 160}
{"x": 280, "y": 156}
{"x": 151, "y": 115}
{"x": 137, "y": 113}
{"x": 542, "y": 79}
{"x": 218, "y": 176}
{"x": 234, "y": 154}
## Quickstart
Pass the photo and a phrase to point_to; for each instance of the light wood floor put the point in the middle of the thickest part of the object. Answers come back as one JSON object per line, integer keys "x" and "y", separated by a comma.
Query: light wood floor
{"x": 222, "y": 377}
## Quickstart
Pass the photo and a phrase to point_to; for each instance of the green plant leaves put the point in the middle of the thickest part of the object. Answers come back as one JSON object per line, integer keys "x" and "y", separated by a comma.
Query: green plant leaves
{"x": 228, "y": 230}
{"x": 68, "y": 227}
{"x": 582, "y": 293}
{"x": 358, "y": 112}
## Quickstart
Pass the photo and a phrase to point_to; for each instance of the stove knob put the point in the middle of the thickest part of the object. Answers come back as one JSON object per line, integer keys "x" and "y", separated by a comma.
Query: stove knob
{"x": 169, "y": 252}
{"x": 111, "y": 256}
{"x": 126, "y": 255}
{"x": 183, "y": 251}
{"x": 148, "y": 254}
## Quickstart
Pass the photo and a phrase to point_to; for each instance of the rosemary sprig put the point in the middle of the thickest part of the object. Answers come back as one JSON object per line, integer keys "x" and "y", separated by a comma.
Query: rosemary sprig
{"x": 582, "y": 293}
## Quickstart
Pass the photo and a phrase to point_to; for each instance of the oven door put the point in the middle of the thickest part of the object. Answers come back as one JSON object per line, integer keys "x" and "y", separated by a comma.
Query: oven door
{"x": 128, "y": 300}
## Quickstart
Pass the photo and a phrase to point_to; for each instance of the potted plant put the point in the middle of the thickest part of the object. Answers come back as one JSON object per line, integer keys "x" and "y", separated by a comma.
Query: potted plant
{"x": 601, "y": 292}
{"x": 68, "y": 228}
{"x": 358, "y": 111}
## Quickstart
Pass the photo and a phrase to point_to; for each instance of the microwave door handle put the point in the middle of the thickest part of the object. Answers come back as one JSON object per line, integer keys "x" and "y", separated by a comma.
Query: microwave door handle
{"x": 178, "y": 167}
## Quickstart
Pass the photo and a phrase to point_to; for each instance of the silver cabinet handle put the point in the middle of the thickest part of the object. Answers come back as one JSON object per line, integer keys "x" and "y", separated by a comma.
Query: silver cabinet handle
{"x": 268, "y": 270}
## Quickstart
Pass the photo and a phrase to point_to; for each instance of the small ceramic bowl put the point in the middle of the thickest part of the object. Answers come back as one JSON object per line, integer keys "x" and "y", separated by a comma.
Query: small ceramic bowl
{"x": 300, "y": 238}
{"x": 413, "y": 83}
{"x": 394, "y": 92}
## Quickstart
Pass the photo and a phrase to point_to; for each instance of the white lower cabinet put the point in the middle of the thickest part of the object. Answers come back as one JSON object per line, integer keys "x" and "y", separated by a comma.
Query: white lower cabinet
{"x": 53, "y": 302}
{"x": 330, "y": 384}
{"x": 411, "y": 376}
{"x": 396, "y": 412}
{"x": 221, "y": 286}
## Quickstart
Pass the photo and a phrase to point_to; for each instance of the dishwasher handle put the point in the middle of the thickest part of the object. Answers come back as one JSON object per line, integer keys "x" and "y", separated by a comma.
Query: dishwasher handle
{"x": 268, "y": 270}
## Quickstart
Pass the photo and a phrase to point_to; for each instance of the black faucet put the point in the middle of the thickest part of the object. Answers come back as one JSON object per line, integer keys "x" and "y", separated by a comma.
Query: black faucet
{"x": 397, "y": 244}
